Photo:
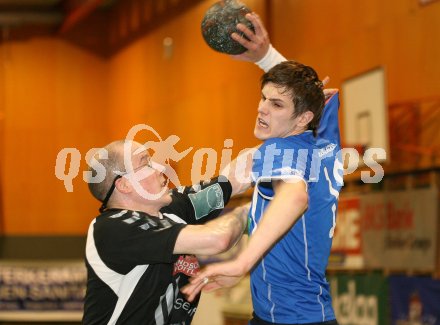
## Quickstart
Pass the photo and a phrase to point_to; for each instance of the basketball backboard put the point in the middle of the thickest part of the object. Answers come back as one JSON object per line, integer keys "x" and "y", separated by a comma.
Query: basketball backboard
{"x": 365, "y": 111}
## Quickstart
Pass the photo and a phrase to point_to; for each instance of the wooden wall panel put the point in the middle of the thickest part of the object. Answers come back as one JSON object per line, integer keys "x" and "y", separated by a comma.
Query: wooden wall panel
{"x": 54, "y": 97}
{"x": 344, "y": 38}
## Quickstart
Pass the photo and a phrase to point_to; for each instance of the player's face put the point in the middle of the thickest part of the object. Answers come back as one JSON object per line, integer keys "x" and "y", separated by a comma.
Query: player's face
{"x": 147, "y": 178}
{"x": 275, "y": 114}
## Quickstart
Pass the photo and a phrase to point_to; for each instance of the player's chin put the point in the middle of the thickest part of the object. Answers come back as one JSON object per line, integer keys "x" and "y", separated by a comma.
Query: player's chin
{"x": 167, "y": 197}
{"x": 261, "y": 134}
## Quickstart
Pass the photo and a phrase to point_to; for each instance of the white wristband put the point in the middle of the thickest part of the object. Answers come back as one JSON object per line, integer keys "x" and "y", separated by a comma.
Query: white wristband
{"x": 271, "y": 59}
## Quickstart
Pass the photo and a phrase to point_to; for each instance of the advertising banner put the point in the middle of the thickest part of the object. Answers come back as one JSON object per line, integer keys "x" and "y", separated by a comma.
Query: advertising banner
{"x": 39, "y": 287}
{"x": 399, "y": 229}
{"x": 414, "y": 300}
{"x": 360, "y": 299}
{"x": 346, "y": 247}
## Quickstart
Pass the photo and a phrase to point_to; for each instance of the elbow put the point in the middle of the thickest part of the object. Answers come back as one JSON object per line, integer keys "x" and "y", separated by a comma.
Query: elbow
{"x": 224, "y": 242}
{"x": 221, "y": 243}
{"x": 227, "y": 233}
{"x": 303, "y": 201}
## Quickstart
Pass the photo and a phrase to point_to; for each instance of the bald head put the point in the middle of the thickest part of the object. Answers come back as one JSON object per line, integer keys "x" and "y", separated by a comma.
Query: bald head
{"x": 111, "y": 159}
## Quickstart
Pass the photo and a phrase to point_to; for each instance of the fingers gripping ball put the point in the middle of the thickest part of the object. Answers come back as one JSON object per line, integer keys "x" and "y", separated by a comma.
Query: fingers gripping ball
{"x": 221, "y": 21}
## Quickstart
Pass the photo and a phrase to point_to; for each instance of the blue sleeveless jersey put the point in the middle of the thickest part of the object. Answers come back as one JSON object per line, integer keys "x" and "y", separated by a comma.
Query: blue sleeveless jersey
{"x": 289, "y": 284}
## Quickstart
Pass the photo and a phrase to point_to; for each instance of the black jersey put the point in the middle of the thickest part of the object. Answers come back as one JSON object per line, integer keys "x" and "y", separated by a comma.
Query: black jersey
{"x": 133, "y": 277}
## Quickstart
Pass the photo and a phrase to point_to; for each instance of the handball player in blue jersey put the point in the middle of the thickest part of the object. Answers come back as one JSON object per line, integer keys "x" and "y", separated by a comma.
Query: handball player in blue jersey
{"x": 297, "y": 176}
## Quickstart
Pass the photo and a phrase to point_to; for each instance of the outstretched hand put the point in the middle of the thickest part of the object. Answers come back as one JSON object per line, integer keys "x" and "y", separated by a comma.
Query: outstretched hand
{"x": 257, "y": 43}
{"x": 328, "y": 92}
{"x": 213, "y": 277}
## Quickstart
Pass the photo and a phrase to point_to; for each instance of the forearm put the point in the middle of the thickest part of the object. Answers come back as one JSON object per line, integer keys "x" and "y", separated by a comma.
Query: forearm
{"x": 279, "y": 217}
{"x": 229, "y": 228}
{"x": 238, "y": 171}
{"x": 215, "y": 236}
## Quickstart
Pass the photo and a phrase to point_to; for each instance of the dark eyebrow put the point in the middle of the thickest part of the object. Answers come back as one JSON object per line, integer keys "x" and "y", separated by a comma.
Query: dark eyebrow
{"x": 276, "y": 100}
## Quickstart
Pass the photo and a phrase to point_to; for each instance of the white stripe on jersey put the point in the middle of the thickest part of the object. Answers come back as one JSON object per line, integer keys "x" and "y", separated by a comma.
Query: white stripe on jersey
{"x": 174, "y": 218}
{"x": 122, "y": 285}
{"x": 319, "y": 300}
{"x": 269, "y": 291}
{"x": 108, "y": 276}
{"x": 335, "y": 193}
{"x": 128, "y": 283}
{"x": 306, "y": 250}
{"x": 168, "y": 298}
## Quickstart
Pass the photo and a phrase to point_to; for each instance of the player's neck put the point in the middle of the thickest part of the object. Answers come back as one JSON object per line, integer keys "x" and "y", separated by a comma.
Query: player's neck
{"x": 151, "y": 210}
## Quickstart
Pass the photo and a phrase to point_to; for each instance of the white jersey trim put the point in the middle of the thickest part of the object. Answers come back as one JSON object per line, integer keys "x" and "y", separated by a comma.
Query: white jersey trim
{"x": 319, "y": 300}
{"x": 122, "y": 285}
{"x": 108, "y": 276}
{"x": 174, "y": 218}
{"x": 128, "y": 283}
{"x": 258, "y": 192}
{"x": 306, "y": 250}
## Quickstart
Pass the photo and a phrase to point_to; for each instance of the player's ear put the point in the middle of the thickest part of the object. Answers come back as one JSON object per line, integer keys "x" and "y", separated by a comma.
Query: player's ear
{"x": 123, "y": 185}
{"x": 305, "y": 118}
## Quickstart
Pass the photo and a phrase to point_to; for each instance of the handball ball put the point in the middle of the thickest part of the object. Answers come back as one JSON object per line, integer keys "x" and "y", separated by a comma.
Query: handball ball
{"x": 220, "y": 21}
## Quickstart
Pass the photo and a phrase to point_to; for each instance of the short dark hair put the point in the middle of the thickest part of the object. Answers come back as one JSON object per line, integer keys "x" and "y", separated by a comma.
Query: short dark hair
{"x": 303, "y": 85}
{"x": 113, "y": 164}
